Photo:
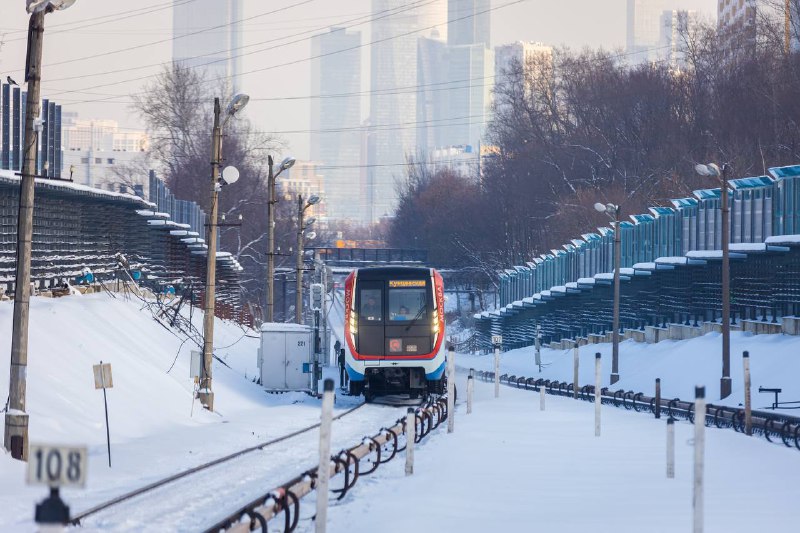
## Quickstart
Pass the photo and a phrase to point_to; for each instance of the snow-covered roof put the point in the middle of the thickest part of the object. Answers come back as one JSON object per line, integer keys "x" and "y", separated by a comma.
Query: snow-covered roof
{"x": 680, "y": 260}
{"x": 644, "y": 266}
{"x": 280, "y": 327}
{"x": 783, "y": 239}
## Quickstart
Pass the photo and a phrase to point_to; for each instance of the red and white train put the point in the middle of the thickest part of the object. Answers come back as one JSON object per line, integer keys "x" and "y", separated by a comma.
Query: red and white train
{"x": 394, "y": 327}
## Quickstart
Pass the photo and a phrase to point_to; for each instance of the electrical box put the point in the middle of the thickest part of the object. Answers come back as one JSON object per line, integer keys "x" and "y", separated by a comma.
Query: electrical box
{"x": 285, "y": 350}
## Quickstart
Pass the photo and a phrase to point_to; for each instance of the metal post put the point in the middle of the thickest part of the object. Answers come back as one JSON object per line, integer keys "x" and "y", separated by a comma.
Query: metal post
{"x": 326, "y": 349}
{"x": 699, "y": 445}
{"x": 748, "y": 406}
{"x": 657, "y": 407}
{"x": 597, "y": 394}
{"x": 541, "y": 397}
{"x": 538, "y": 347}
{"x": 271, "y": 242}
{"x": 205, "y": 393}
{"x": 470, "y": 389}
{"x": 451, "y": 389}
{"x": 411, "y": 434}
{"x": 298, "y": 302}
{"x": 725, "y": 382}
{"x": 496, "y": 371}
{"x": 575, "y": 363}
{"x": 615, "y": 334}
{"x": 324, "y": 468}
{"x": 105, "y": 404}
{"x": 317, "y": 370}
{"x": 15, "y": 438}
{"x": 670, "y": 448}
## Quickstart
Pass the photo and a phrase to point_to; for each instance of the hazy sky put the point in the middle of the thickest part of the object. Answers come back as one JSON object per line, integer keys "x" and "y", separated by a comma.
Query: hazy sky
{"x": 78, "y": 43}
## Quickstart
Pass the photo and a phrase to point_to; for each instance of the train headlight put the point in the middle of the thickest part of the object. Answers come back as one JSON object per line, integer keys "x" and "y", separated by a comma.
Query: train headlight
{"x": 435, "y": 321}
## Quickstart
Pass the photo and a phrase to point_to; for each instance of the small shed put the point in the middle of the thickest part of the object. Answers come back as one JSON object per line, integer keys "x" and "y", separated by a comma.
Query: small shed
{"x": 285, "y": 356}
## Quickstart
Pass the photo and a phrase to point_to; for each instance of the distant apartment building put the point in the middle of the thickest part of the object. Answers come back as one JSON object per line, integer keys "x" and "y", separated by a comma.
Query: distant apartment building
{"x": 393, "y": 97}
{"x": 12, "y": 133}
{"x": 98, "y": 154}
{"x": 304, "y": 178}
{"x": 336, "y": 119}
{"x": 207, "y": 36}
{"x": 744, "y": 23}
{"x": 675, "y": 27}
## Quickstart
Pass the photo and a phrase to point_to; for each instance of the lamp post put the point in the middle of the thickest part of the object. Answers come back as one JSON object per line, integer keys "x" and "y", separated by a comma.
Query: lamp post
{"x": 712, "y": 169}
{"x": 15, "y": 437}
{"x": 613, "y": 211}
{"x": 301, "y": 228}
{"x": 229, "y": 176}
{"x": 271, "y": 201}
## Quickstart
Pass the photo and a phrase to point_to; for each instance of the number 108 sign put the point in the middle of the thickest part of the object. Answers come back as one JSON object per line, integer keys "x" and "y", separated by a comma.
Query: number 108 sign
{"x": 57, "y": 466}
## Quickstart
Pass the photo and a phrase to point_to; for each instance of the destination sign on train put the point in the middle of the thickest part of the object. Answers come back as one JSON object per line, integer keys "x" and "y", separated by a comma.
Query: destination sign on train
{"x": 406, "y": 283}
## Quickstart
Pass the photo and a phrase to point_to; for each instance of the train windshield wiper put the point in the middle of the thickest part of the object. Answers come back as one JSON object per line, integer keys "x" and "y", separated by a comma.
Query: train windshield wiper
{"x": 418, "y": 316}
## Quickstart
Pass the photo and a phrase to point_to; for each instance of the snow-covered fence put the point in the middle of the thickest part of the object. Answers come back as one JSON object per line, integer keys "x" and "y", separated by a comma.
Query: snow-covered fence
{"x": 79, "y": 229}
{"x": 769, "y": 424}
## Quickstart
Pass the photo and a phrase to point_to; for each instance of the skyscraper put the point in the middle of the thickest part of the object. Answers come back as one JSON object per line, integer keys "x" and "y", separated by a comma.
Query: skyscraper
{"x": 206, "y": 37}
{"x": 644, "y": 29}
{"x": 674, "y": 24}
{"x": 393, "y": 101}
{"x": 468, "y": 22}
{"x": 335, "y": 119}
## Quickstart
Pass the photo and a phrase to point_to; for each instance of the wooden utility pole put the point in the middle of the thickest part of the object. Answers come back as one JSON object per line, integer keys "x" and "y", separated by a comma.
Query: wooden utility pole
{"x": 205, "y": 395}
{"x": 15, "y": 437}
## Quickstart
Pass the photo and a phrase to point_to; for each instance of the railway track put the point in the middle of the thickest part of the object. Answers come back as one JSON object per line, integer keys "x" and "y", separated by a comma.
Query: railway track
{"x": 181, "y": 501}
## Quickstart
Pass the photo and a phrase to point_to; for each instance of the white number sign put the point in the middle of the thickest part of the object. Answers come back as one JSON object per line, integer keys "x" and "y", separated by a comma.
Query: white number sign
{"x": 57, "y": 466}
{"x": 497, "y": 339}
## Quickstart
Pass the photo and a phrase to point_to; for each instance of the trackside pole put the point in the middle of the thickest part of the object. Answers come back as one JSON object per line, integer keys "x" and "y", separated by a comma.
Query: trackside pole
{"x": 470, "y": 388}
{"x": 575, "y": 363}
{"x": 541, "y": 397}
{"x": 597, "y": 394}
{"x": 670, "y": 448}
{"x": 748, "y": 407}
{"x": 451, "y": 389}
{"x": 324, "y": 469}
{"x": 497, "y": 371}
{"x": 699, "y": 445}
{"x": 411, "y": 434}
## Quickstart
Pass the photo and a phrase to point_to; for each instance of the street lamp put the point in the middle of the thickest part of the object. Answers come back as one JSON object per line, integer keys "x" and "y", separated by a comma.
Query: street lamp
{"x": 713, "y": 170}
{"x": 229, "y": 176}
{"x": 301, "y": 228}
{"x": 613, "y": 212}
{"x": 15, "y": 437}
{"x": 286, "y": 164}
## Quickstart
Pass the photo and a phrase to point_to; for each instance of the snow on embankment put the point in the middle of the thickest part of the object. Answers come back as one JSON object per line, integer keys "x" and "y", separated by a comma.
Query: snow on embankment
{"x": 680, "y": 364}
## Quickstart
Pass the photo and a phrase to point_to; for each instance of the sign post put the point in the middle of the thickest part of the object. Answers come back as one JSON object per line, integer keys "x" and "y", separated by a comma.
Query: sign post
{"x": 55, "y": 466}
{"x": 102, "y": 380}
{"x": 497, "y": 341}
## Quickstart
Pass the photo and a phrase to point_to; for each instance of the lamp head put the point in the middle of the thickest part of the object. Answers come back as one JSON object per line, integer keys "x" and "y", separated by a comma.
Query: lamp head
{"x": 35, "y": 6}
{"x": 288, "y": 163}
{"x": 237, "y": 104}
{"x": 310, "y": 221}
{"x": 314, "y": 199}
{"x": 600, "y": 207}
{"x": 311, "y": 235}
{"x": 715, "y": 170}
{"x": 230, "y": 175}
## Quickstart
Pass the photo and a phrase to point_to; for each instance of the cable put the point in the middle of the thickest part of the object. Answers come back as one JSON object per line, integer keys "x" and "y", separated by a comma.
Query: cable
{"x": 303, "y": 60}
{"x": 342, "y": 24}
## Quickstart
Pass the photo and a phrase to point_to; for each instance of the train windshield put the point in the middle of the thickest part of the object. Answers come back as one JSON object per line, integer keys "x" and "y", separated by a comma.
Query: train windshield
{"x": 371, "y": 305}
{"x": 407, "y": 304}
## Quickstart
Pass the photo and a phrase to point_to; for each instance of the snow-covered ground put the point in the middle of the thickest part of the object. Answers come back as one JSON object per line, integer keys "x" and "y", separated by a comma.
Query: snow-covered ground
{"x": 507, "y": 467}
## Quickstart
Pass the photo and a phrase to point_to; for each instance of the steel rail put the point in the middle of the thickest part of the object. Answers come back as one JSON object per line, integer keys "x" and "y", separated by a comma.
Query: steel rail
{"x": 771, "y": 426}
{"x": 259, "y": 512}
{"x": 76, "y": 520}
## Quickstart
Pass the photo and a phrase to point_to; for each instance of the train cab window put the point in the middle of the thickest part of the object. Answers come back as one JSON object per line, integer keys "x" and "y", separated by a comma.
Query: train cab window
{"x": 407, "y": 304}
{"x": 371, "y": 307}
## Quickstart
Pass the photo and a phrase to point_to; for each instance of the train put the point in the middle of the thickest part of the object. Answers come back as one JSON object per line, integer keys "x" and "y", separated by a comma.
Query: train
{"x": 394, "y": 331}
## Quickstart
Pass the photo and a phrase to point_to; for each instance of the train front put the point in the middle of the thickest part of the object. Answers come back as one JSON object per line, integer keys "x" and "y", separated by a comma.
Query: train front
{"x": 394, "y": 326}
